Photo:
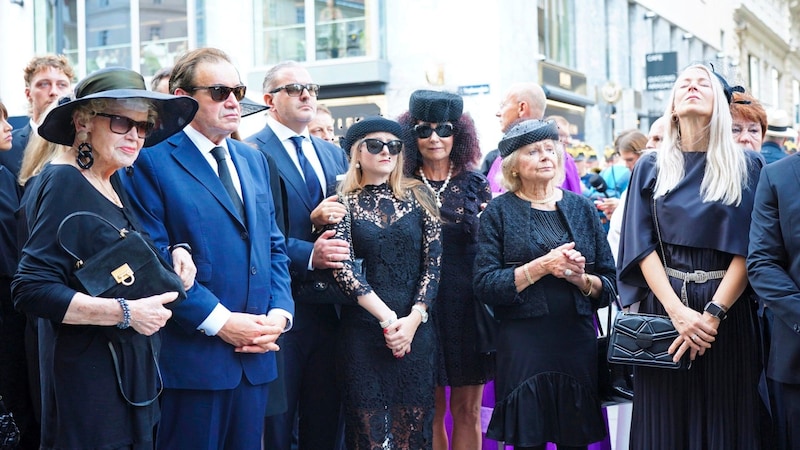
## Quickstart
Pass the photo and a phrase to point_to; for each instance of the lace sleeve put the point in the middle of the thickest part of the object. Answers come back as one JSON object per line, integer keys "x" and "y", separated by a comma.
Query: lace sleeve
{"x": 352, "y": 283}
{"x": 432, "y": 257}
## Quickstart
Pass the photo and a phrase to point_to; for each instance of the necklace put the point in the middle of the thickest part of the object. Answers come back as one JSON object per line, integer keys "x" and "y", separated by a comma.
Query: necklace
{"x": 106, "y": 191}
{"x": 439, "y": 191}
{"x": 549, "y": 199}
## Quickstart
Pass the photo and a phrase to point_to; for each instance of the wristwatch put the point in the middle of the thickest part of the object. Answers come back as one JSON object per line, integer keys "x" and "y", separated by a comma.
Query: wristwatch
{"x": 421, "y": 312}
{"x": 716, "y": 310}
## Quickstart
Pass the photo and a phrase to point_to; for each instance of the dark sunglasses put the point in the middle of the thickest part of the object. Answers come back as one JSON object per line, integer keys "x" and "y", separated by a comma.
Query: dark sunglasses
{"x": 122, "y": 125}
{"x": 296, "y": 89}
{"x": 221, "y": 93}
{"x": 375, "y": 146}
{"x": 424, "y": 130}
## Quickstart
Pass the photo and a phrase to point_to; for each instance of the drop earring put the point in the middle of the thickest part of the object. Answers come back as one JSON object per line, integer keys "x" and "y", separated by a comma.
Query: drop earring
{"x": 358, "y": 165}
{"x": 85, "y": 158}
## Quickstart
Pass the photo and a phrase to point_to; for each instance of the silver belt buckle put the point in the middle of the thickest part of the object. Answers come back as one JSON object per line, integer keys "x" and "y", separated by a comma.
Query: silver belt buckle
{"x": 699, "y": 276}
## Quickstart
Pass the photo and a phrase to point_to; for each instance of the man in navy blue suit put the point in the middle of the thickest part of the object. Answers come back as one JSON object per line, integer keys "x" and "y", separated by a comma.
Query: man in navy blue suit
{"x": 202, "y": 188}
{"x": 308, "y": 167}
{"x": 773, "y": 267}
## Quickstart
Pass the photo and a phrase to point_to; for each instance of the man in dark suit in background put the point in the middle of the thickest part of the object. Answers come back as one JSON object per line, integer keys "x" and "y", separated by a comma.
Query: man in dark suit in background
{"x": 773, "y": 266}
{"x": 202, "y": 188}
{"x": 47, "y": 78}
{"x": 308, "y": 167}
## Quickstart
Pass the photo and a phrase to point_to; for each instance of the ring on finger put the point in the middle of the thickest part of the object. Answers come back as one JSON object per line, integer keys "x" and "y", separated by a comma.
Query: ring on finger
{"x": 568, "y": 273}
{"x": 331, "y": 217}
{"x": 694, "y": 338}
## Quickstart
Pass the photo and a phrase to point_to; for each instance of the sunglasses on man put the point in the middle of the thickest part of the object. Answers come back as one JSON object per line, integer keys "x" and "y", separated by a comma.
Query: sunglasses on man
{"x": 296, "y": 89}
{"x": 424, "y": 130}
{"x": 221, "y": 93}
{"x": 122, "y": 125}
{"x": 375, "y": 146}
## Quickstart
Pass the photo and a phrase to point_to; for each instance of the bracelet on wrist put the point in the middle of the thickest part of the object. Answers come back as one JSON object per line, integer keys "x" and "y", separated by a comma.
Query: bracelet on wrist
{"x": 527, "y": 274}
{"x": 588, "y": 286}
{"x": 392, "y": 319}
{"x": 126, "y": 313}
{"x": 182, "y": 245}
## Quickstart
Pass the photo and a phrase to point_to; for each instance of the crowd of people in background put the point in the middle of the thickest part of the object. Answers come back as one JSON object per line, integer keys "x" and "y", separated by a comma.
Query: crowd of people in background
{"x": 335, "y": 284}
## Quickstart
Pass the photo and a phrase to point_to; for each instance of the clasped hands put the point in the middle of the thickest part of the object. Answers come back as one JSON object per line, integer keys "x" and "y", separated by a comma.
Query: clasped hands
{"x": 696, "y": 332}
{"x": 399, "y": 334}
{"x": 565, "y": 262}
{"x": 252, "y": 333}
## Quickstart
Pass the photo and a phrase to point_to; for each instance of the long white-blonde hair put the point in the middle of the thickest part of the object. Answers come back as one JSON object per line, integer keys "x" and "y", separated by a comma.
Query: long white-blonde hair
{"x": 726, "y": 164}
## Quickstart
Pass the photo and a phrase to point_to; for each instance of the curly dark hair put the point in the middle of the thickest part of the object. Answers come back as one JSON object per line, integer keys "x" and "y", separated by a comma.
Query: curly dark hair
{"x": 466, "y": 151}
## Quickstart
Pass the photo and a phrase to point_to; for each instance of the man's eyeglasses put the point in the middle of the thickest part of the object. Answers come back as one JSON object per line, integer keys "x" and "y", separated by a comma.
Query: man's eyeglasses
{"x": 122, "y": 125}
{"x": 221, "y": 93}
{"x": 424, "y": 130}
{"x": 375, "y": 146}
{"x": 296, "y": 89}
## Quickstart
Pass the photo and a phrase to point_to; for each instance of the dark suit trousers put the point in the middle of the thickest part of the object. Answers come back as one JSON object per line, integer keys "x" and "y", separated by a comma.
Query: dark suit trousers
{"x": 311, "y": 391}
{"x": 212, "y": 420}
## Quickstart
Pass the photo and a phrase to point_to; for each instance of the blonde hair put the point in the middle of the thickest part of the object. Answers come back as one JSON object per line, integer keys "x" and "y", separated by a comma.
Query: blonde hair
{"x": 726, "y": 164}
{"x": 37, "y": 154}
{"x": 398, "y": 183}
{"x": 513, "y": 183}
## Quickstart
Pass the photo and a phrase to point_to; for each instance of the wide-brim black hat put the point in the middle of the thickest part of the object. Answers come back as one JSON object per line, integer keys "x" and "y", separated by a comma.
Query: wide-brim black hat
{"x": 369, "y": 125}
{"x": 525, "y": 133}
{"x": 250, "y": 107}
{"x": 117, "y": 83}
{"x": 435, "y": 106}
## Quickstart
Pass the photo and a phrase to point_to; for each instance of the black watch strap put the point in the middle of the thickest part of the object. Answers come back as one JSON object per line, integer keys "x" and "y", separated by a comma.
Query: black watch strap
{"x": 716, "y": 310}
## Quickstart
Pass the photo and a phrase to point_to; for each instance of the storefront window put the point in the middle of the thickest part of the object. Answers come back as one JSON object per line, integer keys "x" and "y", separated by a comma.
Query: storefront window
{"x": 163, "y": 34}
{"x": 556, "y": 31}
{"x": 339, "y": 29}
{"x": 56, "y": 25}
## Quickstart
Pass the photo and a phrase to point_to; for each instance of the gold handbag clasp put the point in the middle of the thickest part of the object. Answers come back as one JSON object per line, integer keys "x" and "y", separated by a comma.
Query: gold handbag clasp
{"x": 123, "y": 275}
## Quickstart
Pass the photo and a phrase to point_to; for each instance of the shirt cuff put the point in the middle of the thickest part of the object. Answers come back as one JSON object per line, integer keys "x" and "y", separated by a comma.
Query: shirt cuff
{"x": 215, "y": 321}
{"x": 283, "y": 313}
{"x": 310, "y": 259}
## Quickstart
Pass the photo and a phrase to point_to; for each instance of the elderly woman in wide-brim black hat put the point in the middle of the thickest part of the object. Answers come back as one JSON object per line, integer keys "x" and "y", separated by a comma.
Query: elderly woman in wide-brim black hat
{"x": 391, "y": 223}
{"x": 82, "y": 339}
{"x": 441, "y": 151}
{"x": 545, "y": 266}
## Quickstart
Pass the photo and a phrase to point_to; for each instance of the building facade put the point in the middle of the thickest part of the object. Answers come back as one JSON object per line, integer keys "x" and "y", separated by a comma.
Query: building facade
{"x": 605, "y": 65}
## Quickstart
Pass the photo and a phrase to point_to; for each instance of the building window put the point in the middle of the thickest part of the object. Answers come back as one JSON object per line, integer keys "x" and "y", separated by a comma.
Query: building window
{"x": 164, "y": 25}
{"x": 557, "y": 31}
{"x": 340, "y": 29}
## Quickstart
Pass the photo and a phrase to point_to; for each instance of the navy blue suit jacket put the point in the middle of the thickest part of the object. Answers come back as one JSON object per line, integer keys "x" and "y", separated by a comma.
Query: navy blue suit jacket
{"x": 179, "y": 198}
{"x": 773, "y": 262}
{"x": 299, "y": 204}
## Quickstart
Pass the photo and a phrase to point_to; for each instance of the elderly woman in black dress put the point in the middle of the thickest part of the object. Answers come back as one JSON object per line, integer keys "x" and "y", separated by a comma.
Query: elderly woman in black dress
{"x": 84, "y": 402}
{"x": 392, "y": 223}
{"x": 441, "y": 148}
{"x": 544, "y": 264}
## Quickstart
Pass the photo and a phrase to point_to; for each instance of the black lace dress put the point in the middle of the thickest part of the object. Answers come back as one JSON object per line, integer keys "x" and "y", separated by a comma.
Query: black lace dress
{"x": 460, "y": 364}
{"x": 388, "y": 402}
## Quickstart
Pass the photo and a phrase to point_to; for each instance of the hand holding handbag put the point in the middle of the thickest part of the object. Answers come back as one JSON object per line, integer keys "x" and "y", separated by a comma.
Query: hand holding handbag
{"x": 126, "y": 268}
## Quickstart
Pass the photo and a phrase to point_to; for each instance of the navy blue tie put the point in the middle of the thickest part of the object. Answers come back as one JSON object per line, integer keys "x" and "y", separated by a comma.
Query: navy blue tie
{"x": 312, "y": 182}
{"x": 224, "y": 173}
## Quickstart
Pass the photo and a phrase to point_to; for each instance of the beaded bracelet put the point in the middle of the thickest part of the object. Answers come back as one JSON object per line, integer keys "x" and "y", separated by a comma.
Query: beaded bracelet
{"x": 527, "y": 274}
{"x": 126, "y": 313}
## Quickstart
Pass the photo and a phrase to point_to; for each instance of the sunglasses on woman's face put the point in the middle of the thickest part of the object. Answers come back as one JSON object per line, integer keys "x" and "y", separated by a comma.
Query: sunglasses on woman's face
{"x": 375, "y": 146}
{"x": 424, "y": 130}
{"x": 122, "y": 125}
{"x": 221, "y": 93}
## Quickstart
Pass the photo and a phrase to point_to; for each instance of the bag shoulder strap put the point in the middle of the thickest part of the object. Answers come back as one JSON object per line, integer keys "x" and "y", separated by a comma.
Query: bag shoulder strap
{"x": 122, "y": 232}
{"x": 658, "y": 234}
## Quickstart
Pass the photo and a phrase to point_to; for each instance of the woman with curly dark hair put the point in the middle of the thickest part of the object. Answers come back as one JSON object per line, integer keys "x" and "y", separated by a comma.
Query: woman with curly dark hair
{"x": 441, "y": 149}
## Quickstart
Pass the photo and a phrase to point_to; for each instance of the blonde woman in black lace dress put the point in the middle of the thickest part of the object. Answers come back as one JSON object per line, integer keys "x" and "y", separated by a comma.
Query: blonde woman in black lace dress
{"x": 392, "y": 223}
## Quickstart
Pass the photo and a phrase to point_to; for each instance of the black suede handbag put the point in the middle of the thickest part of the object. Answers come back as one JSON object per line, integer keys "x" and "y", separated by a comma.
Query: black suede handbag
{"x": 127, "y": 267}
